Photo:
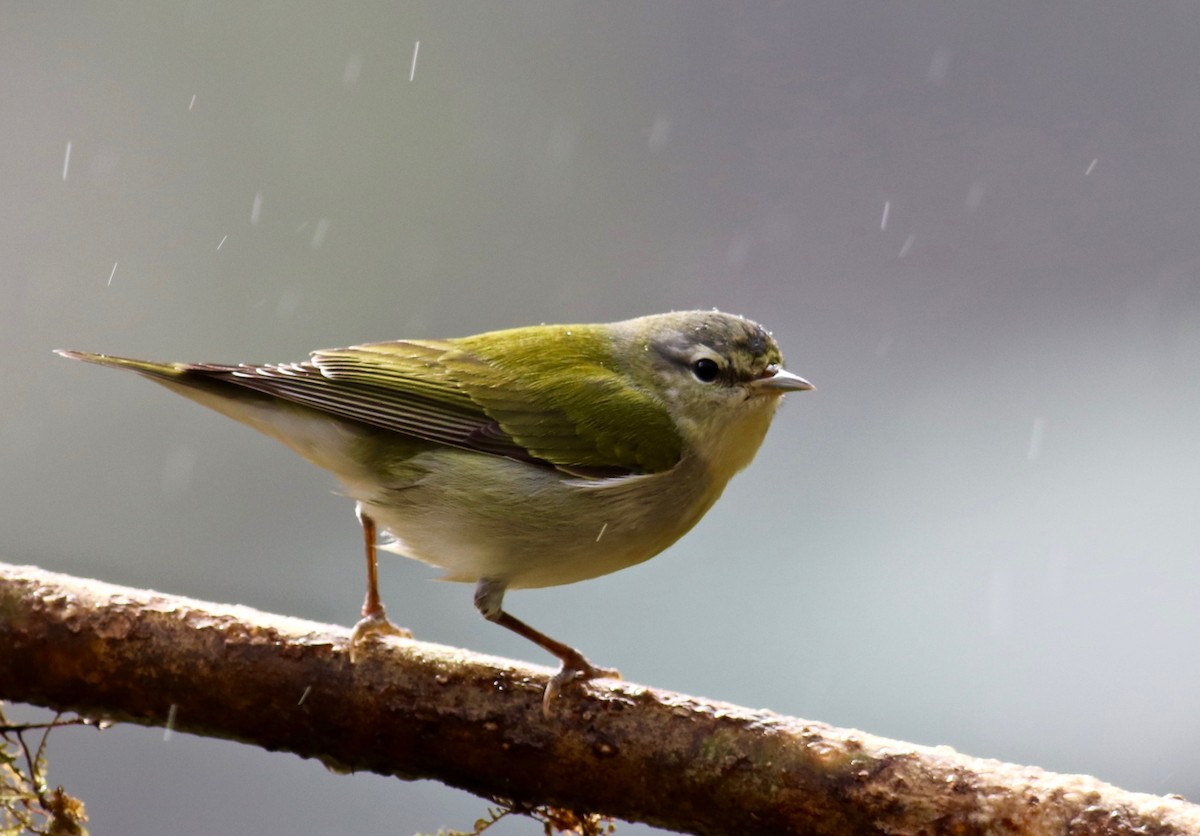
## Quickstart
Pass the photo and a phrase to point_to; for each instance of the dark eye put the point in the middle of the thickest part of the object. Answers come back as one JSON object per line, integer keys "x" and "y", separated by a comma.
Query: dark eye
{"x": 706, "y": 370}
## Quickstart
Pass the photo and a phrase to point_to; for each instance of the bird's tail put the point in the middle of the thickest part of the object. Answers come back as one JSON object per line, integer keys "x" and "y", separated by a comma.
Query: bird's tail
{"x": 323, "y": 439}
{"x": 169, "y": 371}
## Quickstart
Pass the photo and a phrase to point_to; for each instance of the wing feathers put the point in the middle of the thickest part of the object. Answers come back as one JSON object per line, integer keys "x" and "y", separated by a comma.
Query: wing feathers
{"x": 562, "y": 408}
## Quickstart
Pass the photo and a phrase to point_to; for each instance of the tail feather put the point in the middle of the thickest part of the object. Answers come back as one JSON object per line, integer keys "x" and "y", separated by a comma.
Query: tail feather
{"x": 146, "y": 367}
{"x": 323, "y": 439}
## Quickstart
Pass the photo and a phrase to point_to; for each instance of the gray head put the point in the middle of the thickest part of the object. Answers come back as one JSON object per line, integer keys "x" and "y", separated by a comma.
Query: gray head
{"x": 717, "y": 373}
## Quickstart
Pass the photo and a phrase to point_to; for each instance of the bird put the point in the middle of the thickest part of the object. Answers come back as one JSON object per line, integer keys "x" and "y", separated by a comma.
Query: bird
{"x": 520, "y": 458}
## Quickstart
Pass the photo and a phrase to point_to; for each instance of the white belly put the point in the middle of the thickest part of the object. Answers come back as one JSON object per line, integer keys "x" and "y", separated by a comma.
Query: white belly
{"x": 481, "y": 516}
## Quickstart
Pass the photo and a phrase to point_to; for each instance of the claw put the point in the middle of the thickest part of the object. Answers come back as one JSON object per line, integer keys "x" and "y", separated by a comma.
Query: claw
{"x": 489, "y": 597}
{"x": 373, "y": 627}
{"x": 577, "y": 669}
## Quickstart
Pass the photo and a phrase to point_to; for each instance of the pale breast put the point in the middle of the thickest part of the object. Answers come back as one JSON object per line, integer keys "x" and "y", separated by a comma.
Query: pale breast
{"x": 479, "y": 516}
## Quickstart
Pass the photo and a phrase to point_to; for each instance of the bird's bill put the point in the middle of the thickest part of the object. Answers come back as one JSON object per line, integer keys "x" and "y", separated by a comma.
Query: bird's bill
{"x": 778, "y": 381}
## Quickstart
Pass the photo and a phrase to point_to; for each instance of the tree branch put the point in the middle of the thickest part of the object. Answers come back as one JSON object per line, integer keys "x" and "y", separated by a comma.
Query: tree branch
{"x": 418, "y": 710}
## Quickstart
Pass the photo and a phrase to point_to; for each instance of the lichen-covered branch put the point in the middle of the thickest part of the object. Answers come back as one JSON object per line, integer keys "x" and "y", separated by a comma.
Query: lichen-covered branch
{"x": 418, "y": 710}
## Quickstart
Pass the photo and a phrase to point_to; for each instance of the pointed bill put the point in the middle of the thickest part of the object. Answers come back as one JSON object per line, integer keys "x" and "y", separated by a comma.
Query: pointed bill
{"x": 778, "y": 381}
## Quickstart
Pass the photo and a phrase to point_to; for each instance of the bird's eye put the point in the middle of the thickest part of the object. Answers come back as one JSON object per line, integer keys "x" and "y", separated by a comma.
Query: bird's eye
{"x": 706, "y": 370}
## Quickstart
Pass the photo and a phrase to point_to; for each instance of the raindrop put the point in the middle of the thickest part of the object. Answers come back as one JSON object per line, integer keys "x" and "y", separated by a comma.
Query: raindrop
{"x": 256, "y": 209}
{"x": 658, "y": 132}
{"x": 939, "y": 65}
{"x": 1035, "y": 439}
{"x": 412, "y": 73}
{"x": 67, "y": 161}
{"x": 354, "y": 65}
{"x": 974, "y": 196}
{"x": 318, "y": 236}
{"x": 887, "y": 208}
{"x": 170, "y": 727}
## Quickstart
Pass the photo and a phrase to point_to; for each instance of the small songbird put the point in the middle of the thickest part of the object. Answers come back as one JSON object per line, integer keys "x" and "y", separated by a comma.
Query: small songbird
{"x": 522, "y": 458}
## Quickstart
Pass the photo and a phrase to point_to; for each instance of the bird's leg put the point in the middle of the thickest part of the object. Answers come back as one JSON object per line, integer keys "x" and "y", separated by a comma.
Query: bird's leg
{"x": 374, "y": 622}
{"x": 489, "y": 600}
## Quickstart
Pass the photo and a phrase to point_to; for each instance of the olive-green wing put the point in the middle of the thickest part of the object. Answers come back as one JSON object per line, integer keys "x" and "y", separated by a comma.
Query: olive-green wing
{"x": 550, "y": 393}
{"x": 402, "y": 389}
{"x": 558, "y": 391}
{"x": 546, "y": 394}
{"x": 403, "y": 386}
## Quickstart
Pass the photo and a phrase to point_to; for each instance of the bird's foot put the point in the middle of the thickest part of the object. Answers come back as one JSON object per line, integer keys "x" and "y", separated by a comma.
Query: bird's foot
{"x": 574, "y": 669}
{"x": 373, "y": 627}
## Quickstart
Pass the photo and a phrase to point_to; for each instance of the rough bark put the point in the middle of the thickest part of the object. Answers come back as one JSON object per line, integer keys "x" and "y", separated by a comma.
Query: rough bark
{"x": 418, "y": 710}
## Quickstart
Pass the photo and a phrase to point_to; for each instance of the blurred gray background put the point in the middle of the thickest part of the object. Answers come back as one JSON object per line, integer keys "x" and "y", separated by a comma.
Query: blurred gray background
{"x": 975, "y": 226}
